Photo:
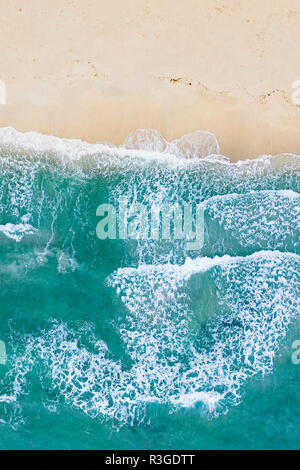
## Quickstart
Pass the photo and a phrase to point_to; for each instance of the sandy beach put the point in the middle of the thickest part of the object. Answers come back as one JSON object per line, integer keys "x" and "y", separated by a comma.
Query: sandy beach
{"x": 96, "y": 70}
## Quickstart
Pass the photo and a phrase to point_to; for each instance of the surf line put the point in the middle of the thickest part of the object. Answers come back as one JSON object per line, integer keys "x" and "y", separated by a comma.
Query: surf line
{"x": 139, "y": 222}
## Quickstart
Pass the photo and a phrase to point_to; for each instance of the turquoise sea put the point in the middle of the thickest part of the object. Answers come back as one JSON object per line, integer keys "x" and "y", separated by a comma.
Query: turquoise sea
{"x": 143, "y": 344}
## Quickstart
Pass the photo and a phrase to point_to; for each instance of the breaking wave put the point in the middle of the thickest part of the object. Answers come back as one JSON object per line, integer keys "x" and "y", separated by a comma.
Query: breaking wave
{"x": 117, "y": 327}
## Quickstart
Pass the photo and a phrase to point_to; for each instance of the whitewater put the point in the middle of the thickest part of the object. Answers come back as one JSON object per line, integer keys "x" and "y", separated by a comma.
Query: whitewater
{"x": 142, "y": 343}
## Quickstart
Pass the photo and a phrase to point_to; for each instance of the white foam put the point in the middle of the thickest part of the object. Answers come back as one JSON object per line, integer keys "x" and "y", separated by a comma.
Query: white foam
{"x": 257, "y": 219}
{"x": 210, "y": 399}
{"x": 200, "y": 264}
{"x": 17, "y": 231}
{"x": 34, "y": 143}
{"x": 76, "y": 149}
{"x": 65, "y": 263}
{"x": 260, "y": 299}
{"x": 258, "y": 296}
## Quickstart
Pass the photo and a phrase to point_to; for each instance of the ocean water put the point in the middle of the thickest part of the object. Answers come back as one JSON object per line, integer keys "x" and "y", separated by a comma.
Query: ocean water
{"x": 144, "y": 344}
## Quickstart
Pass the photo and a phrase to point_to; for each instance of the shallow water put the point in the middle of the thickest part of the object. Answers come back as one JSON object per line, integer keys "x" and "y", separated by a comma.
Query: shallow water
{"x": 143, "y": 343}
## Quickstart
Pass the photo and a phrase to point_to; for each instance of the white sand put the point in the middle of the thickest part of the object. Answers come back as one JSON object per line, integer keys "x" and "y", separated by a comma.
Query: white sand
{"x": 96, "y": 70}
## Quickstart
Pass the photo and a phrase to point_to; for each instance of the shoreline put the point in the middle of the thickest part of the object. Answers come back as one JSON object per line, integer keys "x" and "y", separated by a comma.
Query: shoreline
{"x": 75, "y": 151}
{"x": 243, "y": 131}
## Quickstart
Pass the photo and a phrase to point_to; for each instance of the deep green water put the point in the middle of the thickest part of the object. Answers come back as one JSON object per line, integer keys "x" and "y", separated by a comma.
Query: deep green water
{"x": 120, "y": 344}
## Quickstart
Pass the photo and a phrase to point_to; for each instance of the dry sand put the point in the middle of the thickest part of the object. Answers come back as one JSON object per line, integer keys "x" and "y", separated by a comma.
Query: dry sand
{"x": 96, "y": 70}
